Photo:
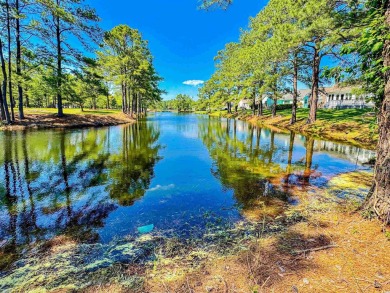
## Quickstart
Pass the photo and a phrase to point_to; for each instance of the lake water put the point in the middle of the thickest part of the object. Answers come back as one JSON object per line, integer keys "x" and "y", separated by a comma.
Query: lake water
{"x": 172, "y": 174}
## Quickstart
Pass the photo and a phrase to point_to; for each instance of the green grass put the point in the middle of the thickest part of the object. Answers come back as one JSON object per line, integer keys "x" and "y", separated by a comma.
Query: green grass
{"x": 200, "y": 112}
{"x": 329, "y": 115}
{"x": 218, "y": 113}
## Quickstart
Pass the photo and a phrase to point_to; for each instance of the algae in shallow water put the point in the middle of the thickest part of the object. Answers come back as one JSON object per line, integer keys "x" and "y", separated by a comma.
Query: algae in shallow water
{"x": 145, "y": 229}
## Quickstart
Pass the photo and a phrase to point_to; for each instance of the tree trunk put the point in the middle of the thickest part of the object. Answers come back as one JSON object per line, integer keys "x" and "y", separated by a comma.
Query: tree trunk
{"x": 138, "y": 104}
{"x": 2, "y": 113}
{"x": 123, "y": 98}
{"x": 4, "y": 91}
{"x": 315, "y": 87}
{"x": 274, "y": 108}
{"x": 59, "y": 65}
{"x": 11, "y": 100}
{"x": 254, "y": 101}
{"x": 19, "y": 61}
{"x": 378, "y": 200}
{"x": 260, "y": 108}
{"x": 133, "y": 104}
{"x": 295, "y": 91}
{"x": 27, "y": 100}
{"x": 131, "y": 99}
{"x": 126, "y": 94}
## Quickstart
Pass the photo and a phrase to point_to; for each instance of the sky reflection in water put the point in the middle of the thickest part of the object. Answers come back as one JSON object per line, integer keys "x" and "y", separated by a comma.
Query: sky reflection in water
{"x": 173, "y": 171}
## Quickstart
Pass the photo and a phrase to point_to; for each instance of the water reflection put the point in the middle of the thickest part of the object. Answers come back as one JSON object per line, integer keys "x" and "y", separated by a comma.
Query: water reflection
{"x": 99, "y": 184}
{"x": 68, "y": 182}
{"x": 252, "y": 160}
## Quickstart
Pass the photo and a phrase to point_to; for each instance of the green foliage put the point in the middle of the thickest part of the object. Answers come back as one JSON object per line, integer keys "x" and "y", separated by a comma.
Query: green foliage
{"x": 290, "y": 34}
{"x": 182, "y": 103}
{"x": 55, "y": 68}
{"x": 127, "y": 62}
{"x": 368, "y": 19}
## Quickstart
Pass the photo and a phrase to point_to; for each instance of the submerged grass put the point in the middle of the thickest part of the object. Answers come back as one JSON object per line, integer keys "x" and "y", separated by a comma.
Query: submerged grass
{"x": 333, "y": 250}
{"x": 320, "y": 245}
{"x": 62, "y": 264}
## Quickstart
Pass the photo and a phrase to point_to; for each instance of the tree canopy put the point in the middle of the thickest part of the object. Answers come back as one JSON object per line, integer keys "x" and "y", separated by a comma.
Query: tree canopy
{"x": 54, "y": 54}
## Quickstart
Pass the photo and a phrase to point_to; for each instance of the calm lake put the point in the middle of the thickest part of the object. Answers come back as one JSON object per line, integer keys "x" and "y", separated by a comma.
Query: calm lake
{"x": 171, "y": 174}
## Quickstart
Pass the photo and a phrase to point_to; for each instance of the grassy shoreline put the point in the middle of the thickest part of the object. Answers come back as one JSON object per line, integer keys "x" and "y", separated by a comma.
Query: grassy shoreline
{"x": 46, "y": 118}
{"x": 355, "y": 126}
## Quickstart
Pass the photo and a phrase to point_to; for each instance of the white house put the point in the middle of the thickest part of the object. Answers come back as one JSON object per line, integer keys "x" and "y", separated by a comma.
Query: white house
{"x": 343, "y": 97}
{"x": 245, "y": 104}
{"x": 329, "y": 97}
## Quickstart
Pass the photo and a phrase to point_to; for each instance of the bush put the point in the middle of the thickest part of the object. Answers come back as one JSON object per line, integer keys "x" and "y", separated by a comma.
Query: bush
{"x": 283, "y": 107}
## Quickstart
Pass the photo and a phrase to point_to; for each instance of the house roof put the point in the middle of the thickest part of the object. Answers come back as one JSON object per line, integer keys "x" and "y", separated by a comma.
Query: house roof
{"x": 288, "y": 97}
{"x": 304, "y": 93}
{"x": 327, "y": 90}
{"x": 339, "y": 90}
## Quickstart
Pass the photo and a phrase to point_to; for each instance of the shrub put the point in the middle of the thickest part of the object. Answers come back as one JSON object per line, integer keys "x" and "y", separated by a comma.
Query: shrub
{"x": 283, "y": 107}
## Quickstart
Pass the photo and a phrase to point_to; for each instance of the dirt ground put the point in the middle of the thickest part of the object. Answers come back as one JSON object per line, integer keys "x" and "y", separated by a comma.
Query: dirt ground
{"x": 45, "y": 120}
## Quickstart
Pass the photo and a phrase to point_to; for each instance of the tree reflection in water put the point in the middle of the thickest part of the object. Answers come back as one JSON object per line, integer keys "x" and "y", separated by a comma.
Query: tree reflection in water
{"x": 242, "y": 164}
{"x": 83, "y": 183}
{"x": 68, "y": 182}
{"x": 262, "y": 166}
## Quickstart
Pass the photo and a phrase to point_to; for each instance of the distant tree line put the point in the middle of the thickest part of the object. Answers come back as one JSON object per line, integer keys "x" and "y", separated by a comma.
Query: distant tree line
{"x": 181, "y": 103}
{"x": 53, "y": 54}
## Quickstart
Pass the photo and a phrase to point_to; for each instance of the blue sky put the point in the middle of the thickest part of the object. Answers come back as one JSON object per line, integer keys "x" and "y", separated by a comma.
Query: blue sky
{"x": 183, "y": 39}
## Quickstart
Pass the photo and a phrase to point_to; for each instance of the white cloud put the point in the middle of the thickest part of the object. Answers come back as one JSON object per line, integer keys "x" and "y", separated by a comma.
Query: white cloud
{"x": 193, "y": 82}
{"x": 159, "y": 187}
